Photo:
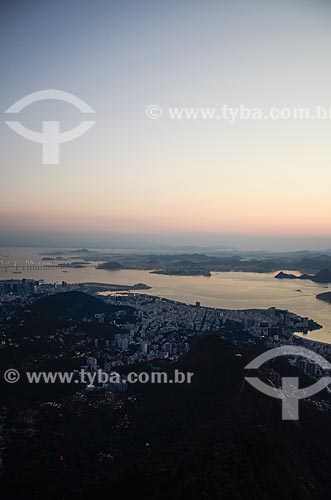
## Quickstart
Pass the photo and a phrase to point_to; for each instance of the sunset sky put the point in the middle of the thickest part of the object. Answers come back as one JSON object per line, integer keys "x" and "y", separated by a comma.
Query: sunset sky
{"x": 252, "y": 183}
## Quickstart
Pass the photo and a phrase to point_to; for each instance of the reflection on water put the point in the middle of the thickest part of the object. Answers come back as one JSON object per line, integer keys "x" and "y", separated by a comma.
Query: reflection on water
{"x": 225, "y": 290}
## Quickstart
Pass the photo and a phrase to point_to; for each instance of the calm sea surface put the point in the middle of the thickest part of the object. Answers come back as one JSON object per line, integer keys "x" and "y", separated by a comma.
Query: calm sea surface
{"x": 235, "y": 290}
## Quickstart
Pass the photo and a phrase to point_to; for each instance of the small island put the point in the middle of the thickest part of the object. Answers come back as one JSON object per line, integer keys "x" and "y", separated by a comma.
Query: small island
{"x": 110, "y": 266}
{"x": 110, "y": 287}
{"x": 323, "y": 276}
{"x": 286, "y": 276}
{"x": 326, "y": 297}
{"x": 182, "y": 272}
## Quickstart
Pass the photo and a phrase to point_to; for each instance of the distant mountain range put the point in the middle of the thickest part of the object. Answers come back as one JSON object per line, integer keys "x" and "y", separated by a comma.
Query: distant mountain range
{"x": 204, "y": 264}
{"x": 195, "y": 260}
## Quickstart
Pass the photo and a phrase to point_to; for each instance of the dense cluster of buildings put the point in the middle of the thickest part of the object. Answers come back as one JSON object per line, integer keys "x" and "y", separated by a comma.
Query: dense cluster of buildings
{"x": 159, "y": 331}
{"x": 17, "y": 290}
{"x": 161, "y": 316}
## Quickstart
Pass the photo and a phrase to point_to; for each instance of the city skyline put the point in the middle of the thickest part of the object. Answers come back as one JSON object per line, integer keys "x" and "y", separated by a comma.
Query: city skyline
{"x": 165, "y": 249}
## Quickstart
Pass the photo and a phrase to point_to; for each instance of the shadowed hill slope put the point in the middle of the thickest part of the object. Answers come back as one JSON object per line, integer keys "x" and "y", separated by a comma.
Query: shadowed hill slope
{"x": 73, "y": 305}
{"x": 218, "y": 438}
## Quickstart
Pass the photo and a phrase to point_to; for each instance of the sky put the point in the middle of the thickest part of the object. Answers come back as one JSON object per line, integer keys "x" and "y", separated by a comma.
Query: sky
{"x": 132, "y": 180}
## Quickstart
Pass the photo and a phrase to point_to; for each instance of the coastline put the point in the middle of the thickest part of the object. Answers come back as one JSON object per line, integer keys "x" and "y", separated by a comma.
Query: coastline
{"x": 228, "y": 290}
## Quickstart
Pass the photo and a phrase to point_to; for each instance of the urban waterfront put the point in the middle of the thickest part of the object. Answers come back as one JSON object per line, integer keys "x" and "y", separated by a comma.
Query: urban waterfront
{"x": 230, "y": 290}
